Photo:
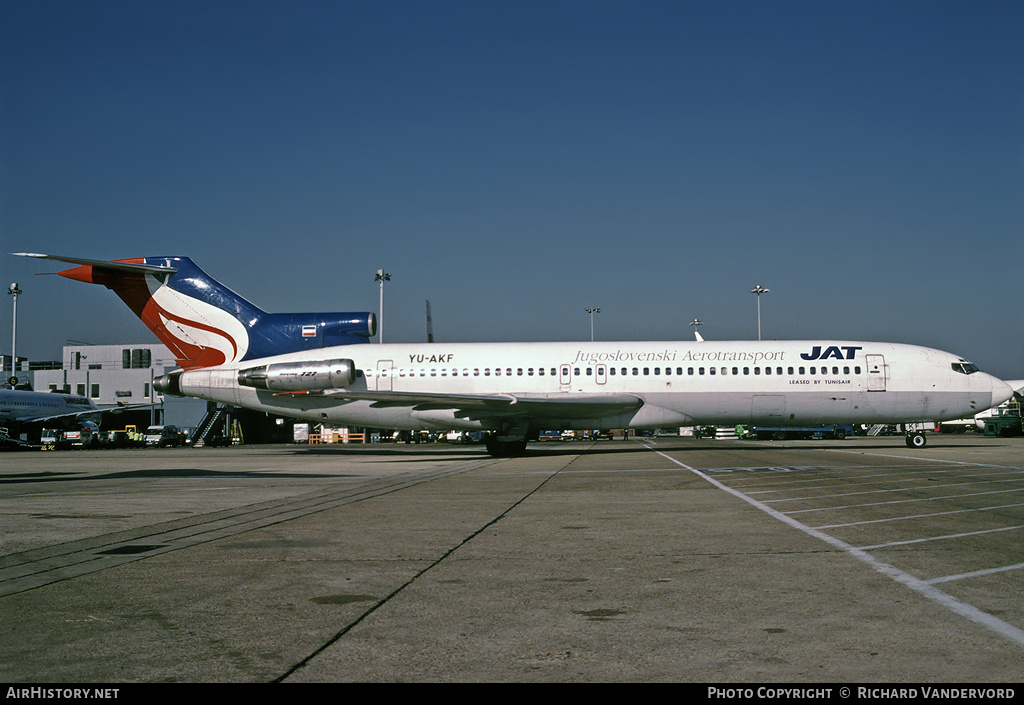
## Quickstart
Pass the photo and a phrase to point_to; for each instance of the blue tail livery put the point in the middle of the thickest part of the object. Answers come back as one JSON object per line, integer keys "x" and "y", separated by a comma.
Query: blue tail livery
{"x": 203, "y": 322}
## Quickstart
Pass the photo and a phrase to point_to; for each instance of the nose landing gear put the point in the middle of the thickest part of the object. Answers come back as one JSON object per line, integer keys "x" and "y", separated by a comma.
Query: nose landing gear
{"x": 916, "y": 439}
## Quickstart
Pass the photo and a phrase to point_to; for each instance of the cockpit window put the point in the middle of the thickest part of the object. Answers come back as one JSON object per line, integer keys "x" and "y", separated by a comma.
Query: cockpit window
{"x": 964, "y": 368}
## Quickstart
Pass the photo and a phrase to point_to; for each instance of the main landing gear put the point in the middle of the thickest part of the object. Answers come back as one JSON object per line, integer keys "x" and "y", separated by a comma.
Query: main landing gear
{"x": 510, "y": 440}
{"x": 504, "y": 448}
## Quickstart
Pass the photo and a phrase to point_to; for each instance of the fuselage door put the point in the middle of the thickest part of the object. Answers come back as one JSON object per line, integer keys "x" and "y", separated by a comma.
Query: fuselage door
{"x": 876, "y": 372}
{"x": 385, "y": 371}
{"x": 564, "y": 376}
{"x": 602, "y": 374}
{"x": 768, "y": 408}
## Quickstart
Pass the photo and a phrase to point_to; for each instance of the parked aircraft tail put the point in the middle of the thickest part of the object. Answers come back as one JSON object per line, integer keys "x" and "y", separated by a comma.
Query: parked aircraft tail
{"x": 203, "y": 322}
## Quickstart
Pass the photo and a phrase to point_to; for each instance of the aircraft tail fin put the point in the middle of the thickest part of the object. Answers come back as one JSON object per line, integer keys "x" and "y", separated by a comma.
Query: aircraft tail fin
{"x": 204, "y": 323}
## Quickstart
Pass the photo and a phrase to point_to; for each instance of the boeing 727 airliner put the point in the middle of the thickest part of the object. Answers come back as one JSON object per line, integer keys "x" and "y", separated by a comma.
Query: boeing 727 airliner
{"x": 233, "y": 353}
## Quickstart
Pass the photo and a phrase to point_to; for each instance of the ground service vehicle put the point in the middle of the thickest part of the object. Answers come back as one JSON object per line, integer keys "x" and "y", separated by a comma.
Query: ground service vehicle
{"x": 162, "y": 436}
{"x": 782, "y": 433}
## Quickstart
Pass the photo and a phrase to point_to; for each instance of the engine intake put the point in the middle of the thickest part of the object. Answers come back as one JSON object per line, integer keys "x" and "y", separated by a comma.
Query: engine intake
{"x": 169, "y": 384}
{"x": 300, "y": 376}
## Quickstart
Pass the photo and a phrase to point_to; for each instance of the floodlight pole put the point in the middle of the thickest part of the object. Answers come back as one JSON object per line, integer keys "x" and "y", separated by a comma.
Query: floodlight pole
{"x": 592, "y": 311}
{"x": 381, "y": 277}
{"x": 759, "y": 290}
{"x": 13, "y": 290}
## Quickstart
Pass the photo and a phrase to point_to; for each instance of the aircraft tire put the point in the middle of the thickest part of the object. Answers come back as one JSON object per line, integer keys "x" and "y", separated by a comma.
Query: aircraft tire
{"x": 916, "y": 440}
{"x": 505, "y": 449}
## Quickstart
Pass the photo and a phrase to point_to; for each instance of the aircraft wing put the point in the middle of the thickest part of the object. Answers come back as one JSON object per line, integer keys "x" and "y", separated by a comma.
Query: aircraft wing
{"x": 94, "y": 415}
{"x": 562, "y": 405}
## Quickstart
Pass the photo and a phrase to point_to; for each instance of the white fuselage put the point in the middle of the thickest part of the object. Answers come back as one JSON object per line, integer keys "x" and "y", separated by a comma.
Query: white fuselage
{"x": 18, "y": 405}
{"x": 679, "y": 383}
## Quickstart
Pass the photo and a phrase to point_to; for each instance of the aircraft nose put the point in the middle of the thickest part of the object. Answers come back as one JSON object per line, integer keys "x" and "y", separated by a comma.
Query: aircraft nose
{"x": 1001, "y": 391}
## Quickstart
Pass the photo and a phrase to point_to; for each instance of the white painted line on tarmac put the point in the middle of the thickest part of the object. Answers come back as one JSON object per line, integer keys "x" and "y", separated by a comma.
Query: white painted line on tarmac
{"x": 904, "y": 501}
{"x": 939, "y": 538}
{"x": 919, "y": 516}
{"x": 919, "y": 586}
{"x": 975, "y": 573}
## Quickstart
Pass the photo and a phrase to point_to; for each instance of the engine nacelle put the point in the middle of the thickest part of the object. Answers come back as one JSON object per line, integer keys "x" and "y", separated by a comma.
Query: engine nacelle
{"x": 300, "y": 376}
{"x": 169, "y": 384}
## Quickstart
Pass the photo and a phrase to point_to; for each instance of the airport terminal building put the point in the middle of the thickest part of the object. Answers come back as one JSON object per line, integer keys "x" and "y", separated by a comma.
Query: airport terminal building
{"x": 106, "y": 374}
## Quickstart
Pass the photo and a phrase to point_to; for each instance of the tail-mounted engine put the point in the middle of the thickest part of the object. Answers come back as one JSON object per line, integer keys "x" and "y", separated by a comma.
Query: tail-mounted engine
{"x": 169, "y": 384}
{"x": 300, "y": 376}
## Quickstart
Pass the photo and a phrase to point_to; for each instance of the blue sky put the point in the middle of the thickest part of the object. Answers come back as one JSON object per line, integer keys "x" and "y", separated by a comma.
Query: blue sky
{"x": 517, "y": 162}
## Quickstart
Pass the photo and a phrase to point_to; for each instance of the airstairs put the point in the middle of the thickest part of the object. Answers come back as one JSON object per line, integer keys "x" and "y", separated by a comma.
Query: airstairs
{"x": 211, "y": 423}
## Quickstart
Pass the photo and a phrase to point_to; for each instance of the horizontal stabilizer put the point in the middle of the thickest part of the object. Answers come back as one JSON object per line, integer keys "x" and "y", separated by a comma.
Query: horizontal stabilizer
{"x": 130, "y": 265}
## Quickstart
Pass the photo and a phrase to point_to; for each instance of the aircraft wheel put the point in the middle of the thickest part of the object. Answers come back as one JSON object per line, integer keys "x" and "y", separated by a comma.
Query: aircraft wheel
{"x": 505, "y": 449}
{"x": 916, "y": 440}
